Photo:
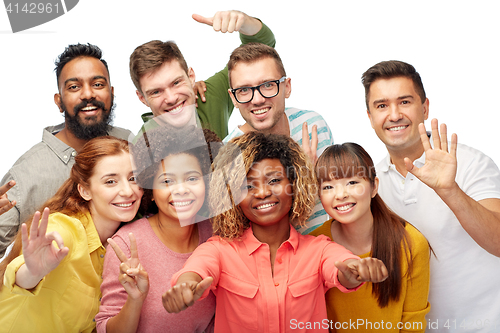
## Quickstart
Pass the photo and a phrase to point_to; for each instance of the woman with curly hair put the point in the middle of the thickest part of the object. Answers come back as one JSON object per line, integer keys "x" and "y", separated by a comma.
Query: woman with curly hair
{"x": 265, "y": 275}
{"x": 171, "y": 165}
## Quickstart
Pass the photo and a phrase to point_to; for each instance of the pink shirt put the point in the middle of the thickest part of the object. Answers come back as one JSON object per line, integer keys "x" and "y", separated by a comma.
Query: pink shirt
{"x": 251, "y": 299}
{"x": 161, "y": 263}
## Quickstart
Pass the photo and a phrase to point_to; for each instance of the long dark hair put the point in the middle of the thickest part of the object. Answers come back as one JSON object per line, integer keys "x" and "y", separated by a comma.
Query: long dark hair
{"x": 67, "y": 199}
{"x": 389, "y": 234}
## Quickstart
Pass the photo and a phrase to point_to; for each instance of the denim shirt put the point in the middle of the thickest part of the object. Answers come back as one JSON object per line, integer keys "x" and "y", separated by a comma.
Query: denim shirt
{"x": 38, "y": 174}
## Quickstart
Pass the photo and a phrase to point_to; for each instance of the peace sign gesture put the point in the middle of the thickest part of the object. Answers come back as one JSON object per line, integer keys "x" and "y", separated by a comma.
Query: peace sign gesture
{"x": 132, "y": 276}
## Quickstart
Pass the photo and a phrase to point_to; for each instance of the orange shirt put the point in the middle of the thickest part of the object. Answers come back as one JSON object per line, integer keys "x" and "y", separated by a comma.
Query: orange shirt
{"x": 250, "y": 299}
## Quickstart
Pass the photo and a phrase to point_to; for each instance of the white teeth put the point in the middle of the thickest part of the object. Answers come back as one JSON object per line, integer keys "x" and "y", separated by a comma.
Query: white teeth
{"x": 124, "y": 205}
{"x": 397, "y": 128}
{"x": 176, "y": 109}
{"x": 344, "y": 208}
{"x": 260, "y": 111}
{"x": 181, "y": 203}
{"x": 89, "y": 108}
{"x": 266, "y": 206}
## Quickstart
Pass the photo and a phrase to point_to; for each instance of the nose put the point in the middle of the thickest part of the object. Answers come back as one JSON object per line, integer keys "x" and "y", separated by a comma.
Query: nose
{"x": 169, "y": 97}
{"x": 179, "y": 189}
{"x": 126, "y": 189}
{"x": 87, "y": 92}
{"x": 341, "y": 192}
{"x": 262, "y": 192}
{"x": 395, "y": 114}
{"x": 257, "y": 97}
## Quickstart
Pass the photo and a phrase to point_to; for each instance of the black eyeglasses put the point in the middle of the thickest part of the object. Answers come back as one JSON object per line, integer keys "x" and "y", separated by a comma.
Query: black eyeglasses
{"x": 267, "y": 89}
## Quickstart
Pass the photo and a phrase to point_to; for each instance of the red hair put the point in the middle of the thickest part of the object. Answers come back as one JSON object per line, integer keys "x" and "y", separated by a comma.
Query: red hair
{"x": 67, "y": 199}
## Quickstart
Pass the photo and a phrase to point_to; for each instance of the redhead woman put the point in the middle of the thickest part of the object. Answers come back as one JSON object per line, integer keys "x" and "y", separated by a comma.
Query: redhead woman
{"x": 52, "y": 276}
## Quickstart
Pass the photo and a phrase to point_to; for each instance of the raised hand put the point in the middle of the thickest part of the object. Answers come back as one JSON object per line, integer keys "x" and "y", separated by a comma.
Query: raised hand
{"x": 5, "y": 203}
{"x": 310, "y": 146}
{"x": 132, "y": 276}
{"x": 182, "y": 295}
{"x": 231, "y": 21}
{"x": 440, "y": 166}
{"x": 364, "y": 270}
{"x": 41, "y": 256}
{"x": 199, "y": 89}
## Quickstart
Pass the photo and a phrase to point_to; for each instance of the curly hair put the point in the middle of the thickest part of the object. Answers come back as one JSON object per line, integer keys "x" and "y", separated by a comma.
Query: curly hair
{"x": 163, "y": 141}
{"x": 234, "y": 162}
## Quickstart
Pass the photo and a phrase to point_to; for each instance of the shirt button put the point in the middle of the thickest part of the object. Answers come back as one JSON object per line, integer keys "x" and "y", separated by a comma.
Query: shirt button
{"x": 279, "y": 260}
{"x": 102, "y": 255}
{"x": 276, "y": 284}
{"x": 73, "y": 154}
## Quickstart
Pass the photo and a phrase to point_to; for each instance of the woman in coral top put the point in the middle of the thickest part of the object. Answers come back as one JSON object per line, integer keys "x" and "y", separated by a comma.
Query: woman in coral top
{"x": 49, "y": 288}
{"x": 368, "y": 228}
{"x": 265, "y": 275}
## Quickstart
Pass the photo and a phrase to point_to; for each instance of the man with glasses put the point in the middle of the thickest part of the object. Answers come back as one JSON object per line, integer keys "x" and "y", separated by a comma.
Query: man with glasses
{"x": 259, "y": 87}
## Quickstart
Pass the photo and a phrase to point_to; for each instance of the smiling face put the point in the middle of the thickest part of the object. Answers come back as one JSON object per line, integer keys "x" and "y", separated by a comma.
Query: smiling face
{"x": 395, "y": 111}
{"x": 270, "y": 194}
{"x": 168, "y": 91}
{"x": 261, "y": 114}
{"x": 348, "y": 200}
{"x": 179, "y": 188}
{"x": 113, "y": 194}
{"x": 86, "y": 97}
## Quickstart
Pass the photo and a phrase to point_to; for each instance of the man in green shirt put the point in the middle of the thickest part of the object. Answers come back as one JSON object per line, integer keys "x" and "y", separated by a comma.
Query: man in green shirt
{"x": 166, "y": 85}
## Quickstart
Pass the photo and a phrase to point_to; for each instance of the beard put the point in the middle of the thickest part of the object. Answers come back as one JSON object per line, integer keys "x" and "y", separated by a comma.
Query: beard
{"x": 95, "y": 127}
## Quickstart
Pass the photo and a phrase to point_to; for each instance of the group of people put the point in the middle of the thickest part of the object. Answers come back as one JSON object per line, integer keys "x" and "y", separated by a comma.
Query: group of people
{"x": 270, "y": 227}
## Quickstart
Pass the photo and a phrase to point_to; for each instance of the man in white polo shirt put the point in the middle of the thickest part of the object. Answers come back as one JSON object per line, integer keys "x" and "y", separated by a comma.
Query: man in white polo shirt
{"x": 449, "y": 191}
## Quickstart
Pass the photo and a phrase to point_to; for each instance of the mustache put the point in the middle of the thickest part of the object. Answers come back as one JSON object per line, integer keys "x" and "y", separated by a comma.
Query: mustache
{"x": 85, "y": 103}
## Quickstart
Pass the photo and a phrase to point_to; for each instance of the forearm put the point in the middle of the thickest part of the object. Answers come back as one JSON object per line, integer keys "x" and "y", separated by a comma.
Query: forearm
{"x": 481, "y": 220}
{"x": 25, "y": 279}
{"x": 127, "y": 320}
{"x": 188, "y": 277}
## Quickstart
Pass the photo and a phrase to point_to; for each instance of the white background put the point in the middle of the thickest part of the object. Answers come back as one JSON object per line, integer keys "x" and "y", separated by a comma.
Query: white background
{"x": 325, "y": 46}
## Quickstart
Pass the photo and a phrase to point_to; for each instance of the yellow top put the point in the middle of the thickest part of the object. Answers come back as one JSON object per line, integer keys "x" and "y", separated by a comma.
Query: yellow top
{"x": 359, "y": 311}
{"x": 66, "y": 299}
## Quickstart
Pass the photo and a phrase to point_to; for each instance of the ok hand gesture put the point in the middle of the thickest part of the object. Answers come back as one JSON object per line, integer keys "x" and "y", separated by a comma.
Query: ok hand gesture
{"x": 41, "y": 256}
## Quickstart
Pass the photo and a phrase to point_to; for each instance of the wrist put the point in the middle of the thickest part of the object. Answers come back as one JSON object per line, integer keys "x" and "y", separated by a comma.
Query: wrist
{"x": 27, "y": 280}
{"x": 251, "y": 26}
{"x": 449, "y": 192}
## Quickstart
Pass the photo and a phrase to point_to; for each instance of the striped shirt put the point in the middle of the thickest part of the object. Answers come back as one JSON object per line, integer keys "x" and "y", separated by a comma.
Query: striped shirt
{"x": 296, "y": 118}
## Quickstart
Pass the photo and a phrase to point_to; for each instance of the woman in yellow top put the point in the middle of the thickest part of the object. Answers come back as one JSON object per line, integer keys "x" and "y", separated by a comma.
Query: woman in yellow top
{"x": 368, "y": 228}
{"x": 49, "y": 288}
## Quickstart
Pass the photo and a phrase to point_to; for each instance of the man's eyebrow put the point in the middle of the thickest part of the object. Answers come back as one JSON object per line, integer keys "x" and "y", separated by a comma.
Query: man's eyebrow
{"x": 382, "y": 100}
{"x": 75, "y": 79}
{"x": 71, "y": 80}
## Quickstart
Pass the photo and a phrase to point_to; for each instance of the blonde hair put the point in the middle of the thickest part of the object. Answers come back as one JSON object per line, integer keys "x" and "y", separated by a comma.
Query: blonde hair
{"x": 233, "y": 163}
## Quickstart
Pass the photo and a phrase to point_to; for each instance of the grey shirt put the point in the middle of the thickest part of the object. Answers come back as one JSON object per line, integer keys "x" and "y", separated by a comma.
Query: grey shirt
{"x": 38, "y": 174}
